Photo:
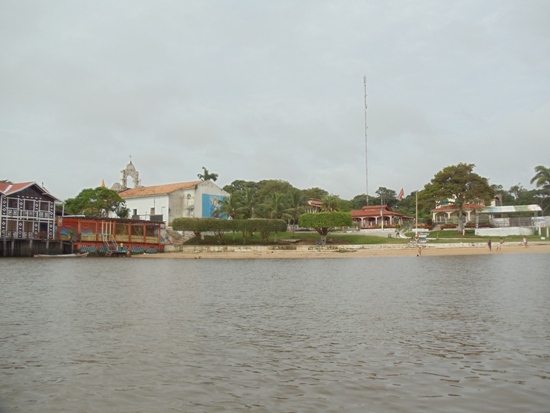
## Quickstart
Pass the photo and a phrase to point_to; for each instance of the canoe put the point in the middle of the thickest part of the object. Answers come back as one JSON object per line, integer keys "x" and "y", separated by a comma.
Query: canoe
{"x": 79, "y": 255}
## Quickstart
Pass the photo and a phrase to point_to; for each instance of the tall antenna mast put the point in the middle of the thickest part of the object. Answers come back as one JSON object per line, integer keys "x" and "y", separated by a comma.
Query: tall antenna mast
{"x": 366, "y": 148}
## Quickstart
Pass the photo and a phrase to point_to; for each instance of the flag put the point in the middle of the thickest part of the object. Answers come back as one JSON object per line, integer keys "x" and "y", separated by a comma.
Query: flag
{"x": 401, "y": 194}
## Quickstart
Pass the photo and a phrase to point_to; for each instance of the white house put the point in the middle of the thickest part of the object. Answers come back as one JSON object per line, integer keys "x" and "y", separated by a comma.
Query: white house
{"x": 196, "y": 199}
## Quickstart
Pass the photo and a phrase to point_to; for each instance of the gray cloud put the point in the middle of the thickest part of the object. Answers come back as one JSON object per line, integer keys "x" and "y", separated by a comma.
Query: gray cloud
{"x": 256, "y": 90}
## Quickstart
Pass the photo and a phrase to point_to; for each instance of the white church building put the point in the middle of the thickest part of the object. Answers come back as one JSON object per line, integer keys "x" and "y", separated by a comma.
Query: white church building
{"x": 195, "y": 199}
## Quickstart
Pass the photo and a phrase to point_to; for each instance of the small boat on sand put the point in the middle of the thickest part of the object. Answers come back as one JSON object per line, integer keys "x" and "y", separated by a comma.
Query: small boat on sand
{"x": 78, "y": 255}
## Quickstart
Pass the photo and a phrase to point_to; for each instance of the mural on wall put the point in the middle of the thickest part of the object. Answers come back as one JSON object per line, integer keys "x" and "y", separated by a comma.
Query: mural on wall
{"x": 209, "y": 205}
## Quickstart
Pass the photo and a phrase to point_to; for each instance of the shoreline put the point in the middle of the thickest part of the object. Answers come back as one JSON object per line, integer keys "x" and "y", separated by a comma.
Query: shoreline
{"x": 347, "y": 252}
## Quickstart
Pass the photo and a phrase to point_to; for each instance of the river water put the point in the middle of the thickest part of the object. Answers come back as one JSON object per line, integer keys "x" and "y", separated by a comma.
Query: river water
{"x": 429, "y": 334}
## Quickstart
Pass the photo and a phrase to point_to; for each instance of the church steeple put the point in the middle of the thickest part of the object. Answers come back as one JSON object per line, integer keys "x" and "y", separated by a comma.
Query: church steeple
{"x": 129, "y": 170}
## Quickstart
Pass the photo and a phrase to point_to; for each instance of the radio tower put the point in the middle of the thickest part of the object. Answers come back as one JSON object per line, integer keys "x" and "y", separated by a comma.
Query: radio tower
{"x": 366, "y": 147}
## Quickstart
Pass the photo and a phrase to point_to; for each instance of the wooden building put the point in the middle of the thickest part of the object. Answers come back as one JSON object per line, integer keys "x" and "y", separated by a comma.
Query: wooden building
{"x": 108, "y": 236}
{"x": 27, "y": 219}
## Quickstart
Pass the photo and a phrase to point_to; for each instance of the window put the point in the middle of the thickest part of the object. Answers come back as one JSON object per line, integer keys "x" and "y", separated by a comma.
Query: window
{"x": 29, "y": 206}
{"x": 44, "y": 206}
{"x": 12, "y": 203}
{"x": 152, "y": 231}
{"x": 153, "y": 211}
{"x": 12, "y": 225}
{"x": 28, "y": 226}
{"x": 43, "y": 229}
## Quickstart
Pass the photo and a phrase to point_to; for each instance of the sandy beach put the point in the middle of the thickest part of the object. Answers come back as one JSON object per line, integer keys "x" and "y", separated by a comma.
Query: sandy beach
{"x": 346, "y": 252}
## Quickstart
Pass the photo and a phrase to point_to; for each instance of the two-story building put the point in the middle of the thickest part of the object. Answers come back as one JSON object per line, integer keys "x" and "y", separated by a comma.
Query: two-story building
{"x": 27, "y": 213}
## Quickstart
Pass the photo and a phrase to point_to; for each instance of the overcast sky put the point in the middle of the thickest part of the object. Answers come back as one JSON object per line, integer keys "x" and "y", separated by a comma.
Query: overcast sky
{"x": 258, "y": 90}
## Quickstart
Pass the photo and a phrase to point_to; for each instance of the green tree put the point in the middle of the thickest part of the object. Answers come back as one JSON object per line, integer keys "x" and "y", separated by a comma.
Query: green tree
{"x": 240, "y": 186}
{"x": 523, "y": 196}
{"x": 123, "y": 212}
{"x": 98, "y": 202}
{"x": 325, "y": 222}
{"x": 542, "y": 181}
{"x": 331, "y": 203}
{"x": 296, "y": 202}
{"x": 276, "y": 205}
{"x": 542, "y": 177}
{"x": 247, "y": 201}
{"x": 458, "y": 182}
{"x": 385, "y": 197}
{"x": 206, "y": 176}
{"x": 267, "y": 187}
{"x": 314, "y": 193}
{"x": 227, "y": 207}
{"x": 358, "y": 201}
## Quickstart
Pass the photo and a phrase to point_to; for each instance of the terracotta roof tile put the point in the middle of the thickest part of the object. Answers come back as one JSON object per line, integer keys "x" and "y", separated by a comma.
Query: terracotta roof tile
{"x": 9, "y": 189}
{"x": 375, "y": 211}
{"x": 145, "y": 191}
{"x": 13, "y": 188}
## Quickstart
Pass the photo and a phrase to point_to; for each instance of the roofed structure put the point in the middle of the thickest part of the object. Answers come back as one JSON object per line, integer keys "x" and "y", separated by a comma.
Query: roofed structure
{"x": 157, "y": 189}
{"x": 27, "y": 211}
{"x": 194, "y": 199}
{"x": 373, "y": 216}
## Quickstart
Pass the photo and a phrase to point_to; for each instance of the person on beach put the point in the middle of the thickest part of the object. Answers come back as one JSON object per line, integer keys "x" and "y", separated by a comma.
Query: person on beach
{"x": 489, "y": 244}
{"x": 525, "y": 242}
{"x": 419, "y": 251}
{"x": 499, "y": 245}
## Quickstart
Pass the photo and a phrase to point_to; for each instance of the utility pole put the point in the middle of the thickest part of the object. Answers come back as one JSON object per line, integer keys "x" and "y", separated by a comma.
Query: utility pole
{"x": 366, "y": 147}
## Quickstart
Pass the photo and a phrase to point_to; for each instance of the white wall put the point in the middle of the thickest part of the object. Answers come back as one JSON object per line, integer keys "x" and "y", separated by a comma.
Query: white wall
{"x": 503, "y": 232}
{"x": 208, "y": 188}
{"x": 175, "y": 204}
{"x": 144, "y": 205}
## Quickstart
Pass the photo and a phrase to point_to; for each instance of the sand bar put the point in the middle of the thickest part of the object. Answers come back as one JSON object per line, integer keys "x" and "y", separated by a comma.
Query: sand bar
{"x": 347, "y": 252}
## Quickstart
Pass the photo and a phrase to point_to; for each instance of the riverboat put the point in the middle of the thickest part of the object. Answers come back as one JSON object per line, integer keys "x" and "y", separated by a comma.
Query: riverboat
{"x": 78, "y": 255}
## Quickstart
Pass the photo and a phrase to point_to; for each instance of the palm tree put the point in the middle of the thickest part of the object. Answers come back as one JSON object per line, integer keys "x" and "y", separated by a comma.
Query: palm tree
{"x": 542, "y": 180}
{"x": 330, "y": 203}
{"x": 206, "y": 176}
{"x": 227, "y": 207}
{"x": 296, "y": 199}
{"x": 276, "y": 205}
{"x": 247, "y": 203}
{"x": 542, "y": 177}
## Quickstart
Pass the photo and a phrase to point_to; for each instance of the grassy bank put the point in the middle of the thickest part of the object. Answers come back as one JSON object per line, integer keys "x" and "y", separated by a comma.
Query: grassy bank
{"x": 344, "y": 238}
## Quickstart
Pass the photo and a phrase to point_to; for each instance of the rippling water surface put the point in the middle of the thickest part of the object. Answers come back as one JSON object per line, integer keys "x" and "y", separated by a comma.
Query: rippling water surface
{"x": 430, "y": 334}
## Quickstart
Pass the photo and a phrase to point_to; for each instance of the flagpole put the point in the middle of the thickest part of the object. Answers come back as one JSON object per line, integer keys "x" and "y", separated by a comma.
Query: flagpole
{"x": 416, "y": 218}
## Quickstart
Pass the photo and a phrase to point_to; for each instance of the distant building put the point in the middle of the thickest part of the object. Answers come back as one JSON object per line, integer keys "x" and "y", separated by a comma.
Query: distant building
{"x": 195, "y": 199}
{"x": 27, "y": 211}
{"x": 374, "y": 216}
{"x": 314, "y": 205}
{"x": 447, "y": 213}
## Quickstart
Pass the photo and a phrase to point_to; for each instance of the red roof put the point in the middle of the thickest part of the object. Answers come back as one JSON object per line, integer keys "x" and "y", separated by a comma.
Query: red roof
{"x": 375, "y": 211}
{"x": 145, "y": 191}
{"x": 10, "y": 189}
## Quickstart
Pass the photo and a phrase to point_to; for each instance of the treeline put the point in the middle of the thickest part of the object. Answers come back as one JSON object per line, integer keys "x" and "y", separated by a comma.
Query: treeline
{"x": 280, "y": 199}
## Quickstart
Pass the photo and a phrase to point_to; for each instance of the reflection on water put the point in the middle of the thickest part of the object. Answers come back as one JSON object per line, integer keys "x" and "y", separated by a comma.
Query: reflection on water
{"x": 453, "y": 334}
